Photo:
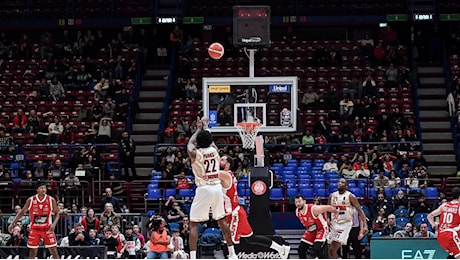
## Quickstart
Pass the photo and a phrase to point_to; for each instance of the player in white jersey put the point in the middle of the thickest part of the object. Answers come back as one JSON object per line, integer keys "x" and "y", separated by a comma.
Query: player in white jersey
{"x": 206, "y": 167}
{"x": 340, "y": 226}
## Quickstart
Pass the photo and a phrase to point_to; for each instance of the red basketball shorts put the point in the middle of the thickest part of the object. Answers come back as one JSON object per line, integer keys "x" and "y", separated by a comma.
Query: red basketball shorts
{"x": 239, "y": 225}
{"x": 36, "y": 235}
{"x": 449, "y": 240}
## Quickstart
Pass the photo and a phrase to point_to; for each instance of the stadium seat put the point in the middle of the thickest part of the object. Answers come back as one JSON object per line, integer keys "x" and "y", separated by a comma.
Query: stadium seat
{"x": 378, "y": 234}
{"x": 357, "y": 192}
{"x": 308, "y": 193}
{"x": 319, "y": 185}
{"x": 321, "y": 192}
{"x": 186, "y": 193}
{"x": 276, "y": 194}
{"x": 291, "y": 184}
{"x": 173, "y": 225}
{"x": 401, "y": 213}
{"x": 388, "y": 193}
{"x": 304, "y": 184}
{"x": 151, "y": 212}
{"x": 292, "y": 192}
{"x": 351, "y": 184}
{"x": 431, "y": 193}
{"x": 170, "y": 192}
{"x": 401, "y": 221}
{"x": 154, "y": 194}
{"x": 153, "y": 185}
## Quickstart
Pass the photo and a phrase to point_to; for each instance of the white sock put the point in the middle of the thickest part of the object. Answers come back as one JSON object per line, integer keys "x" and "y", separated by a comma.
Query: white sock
{"x": 192, "y": 254}
{"x": 276, "y": 246}
{"x": 231, "y": 250}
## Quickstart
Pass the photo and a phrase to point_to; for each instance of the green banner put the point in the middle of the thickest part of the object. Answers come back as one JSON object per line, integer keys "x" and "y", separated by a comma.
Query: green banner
{"x": 141, "y": 20}
{"x": 397, "y": 17}
{"x": 194, "y": 20}
{"x": 406, "y": 248}
{"x": 449, "y": 17}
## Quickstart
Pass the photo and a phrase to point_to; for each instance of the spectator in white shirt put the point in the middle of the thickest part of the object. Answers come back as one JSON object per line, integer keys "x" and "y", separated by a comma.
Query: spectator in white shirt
{"x": 330, "y": 166}
{"x": 54, "y": 131}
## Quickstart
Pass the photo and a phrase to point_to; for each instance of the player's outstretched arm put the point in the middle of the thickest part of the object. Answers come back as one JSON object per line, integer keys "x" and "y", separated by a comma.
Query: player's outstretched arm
{"x": 433, "y": 214}
{"x": 320, "y": 209}
{"x": 19, "y": 215}
{"x": 362, "y": 217}
{"x": 191, "y": 146}
{"x": 225, "y": 178}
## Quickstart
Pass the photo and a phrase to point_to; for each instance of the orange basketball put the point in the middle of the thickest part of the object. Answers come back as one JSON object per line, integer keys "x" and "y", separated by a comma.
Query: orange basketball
{"x": 216, "y": 50}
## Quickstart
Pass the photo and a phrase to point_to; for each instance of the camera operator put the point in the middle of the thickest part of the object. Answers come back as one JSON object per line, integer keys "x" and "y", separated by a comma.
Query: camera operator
{"x": 80, "y": 237}
{"x": 17, "y": 239}
{"x": 159, "y": 239}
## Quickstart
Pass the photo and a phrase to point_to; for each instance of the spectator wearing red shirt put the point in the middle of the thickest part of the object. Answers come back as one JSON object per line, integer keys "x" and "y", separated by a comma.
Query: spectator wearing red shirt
{"x": 182, "y": 139}
{"x": 379, "y": 54}
{"x": 170, "y": 132}
{"x": 182, "y": 182}
{"x": 390, "y": 37}
{"x": 20, "y": 122}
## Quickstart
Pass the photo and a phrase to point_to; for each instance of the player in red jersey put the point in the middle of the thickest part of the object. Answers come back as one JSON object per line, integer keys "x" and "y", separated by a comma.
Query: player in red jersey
{"x": 236, "y": 215}
{"x": 449, "y": 224}
{"x": 40, "y": 207}
{"x": 314, "y": 219}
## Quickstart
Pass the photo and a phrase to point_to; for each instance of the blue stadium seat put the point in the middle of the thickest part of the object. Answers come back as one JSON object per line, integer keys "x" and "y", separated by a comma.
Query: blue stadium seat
{"x": 154, "y": 194}
{"x": 170, "y": 192}
{"x": 378, "y": 234}
{"x": 351, "y": 184}
{"x": 292, "y": 161}
{"x": 241, "y": 184}
{"x": 292, "y": 192}
{"x": 319, "y": 185}
{"x": 321, "y": 192}
{"x": 173, "y": 225}
{"x": 288, "y": 177}
{"x": 186, "y": 193}
{"x": 241, "y": 191}
{"x": 278, "y": 165}
{"x": 308, "y": 193}
{"x": 291, "y": 184}
{"x": 153, "y": 185}
{"x": 420, "y": 216}
{"x": 361, "y": 184}
{"x": 151, "y": 212}
{"x": 332, "y": 185}
{"x": 276, "y": 194}
{"x": 304, "y": 184}
{"x": 388, "y": 193}
{"x": 357, "y": 192}
{"x": 401, "y": 221}
{"x": 431, "y": 193}
{"x": 305, "y": 162}
{"x": 304, "y": 176}
{"x": 156, "y": 177}
{"x": 401, "y": 213}
{"x": 290, "y": 168}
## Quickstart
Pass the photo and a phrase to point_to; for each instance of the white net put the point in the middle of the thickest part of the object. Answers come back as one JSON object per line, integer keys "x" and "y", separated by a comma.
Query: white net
{"x": 248, "y": 132}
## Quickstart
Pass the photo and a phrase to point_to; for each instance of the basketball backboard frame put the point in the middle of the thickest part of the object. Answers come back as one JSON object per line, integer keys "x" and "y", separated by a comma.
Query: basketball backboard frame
{"x": 224, "y": 85}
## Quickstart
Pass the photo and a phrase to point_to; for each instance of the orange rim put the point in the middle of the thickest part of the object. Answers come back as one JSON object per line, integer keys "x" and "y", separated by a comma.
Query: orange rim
{"x": 248, "y": 126}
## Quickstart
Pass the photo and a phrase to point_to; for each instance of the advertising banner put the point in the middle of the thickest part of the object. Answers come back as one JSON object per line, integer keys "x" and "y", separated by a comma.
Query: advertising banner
{"x": 406, "y": 248}
{"x": 74, "y": 252}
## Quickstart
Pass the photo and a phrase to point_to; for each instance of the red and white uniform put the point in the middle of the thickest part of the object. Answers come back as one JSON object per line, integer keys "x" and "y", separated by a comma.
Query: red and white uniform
{"x": 449, "y": 227}
{"x": 316, "y": 228}
{"x": 208, "y": 193}
{"x": 40, "y": 217}
{"x": 236, "y": 215}
{"x": 340, "y": 226}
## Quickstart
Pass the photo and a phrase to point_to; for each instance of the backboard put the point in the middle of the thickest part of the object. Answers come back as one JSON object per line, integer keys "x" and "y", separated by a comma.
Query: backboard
{"x": 271, "y": 101}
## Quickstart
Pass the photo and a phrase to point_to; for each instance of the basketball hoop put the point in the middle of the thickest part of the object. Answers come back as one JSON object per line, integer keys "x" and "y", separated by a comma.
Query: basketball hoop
{"x": 248, "y": 131}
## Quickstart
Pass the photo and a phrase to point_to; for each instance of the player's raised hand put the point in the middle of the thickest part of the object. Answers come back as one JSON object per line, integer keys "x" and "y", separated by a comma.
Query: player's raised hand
{"x": 199, "y": 123}
{"x": 205, "y": 122}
